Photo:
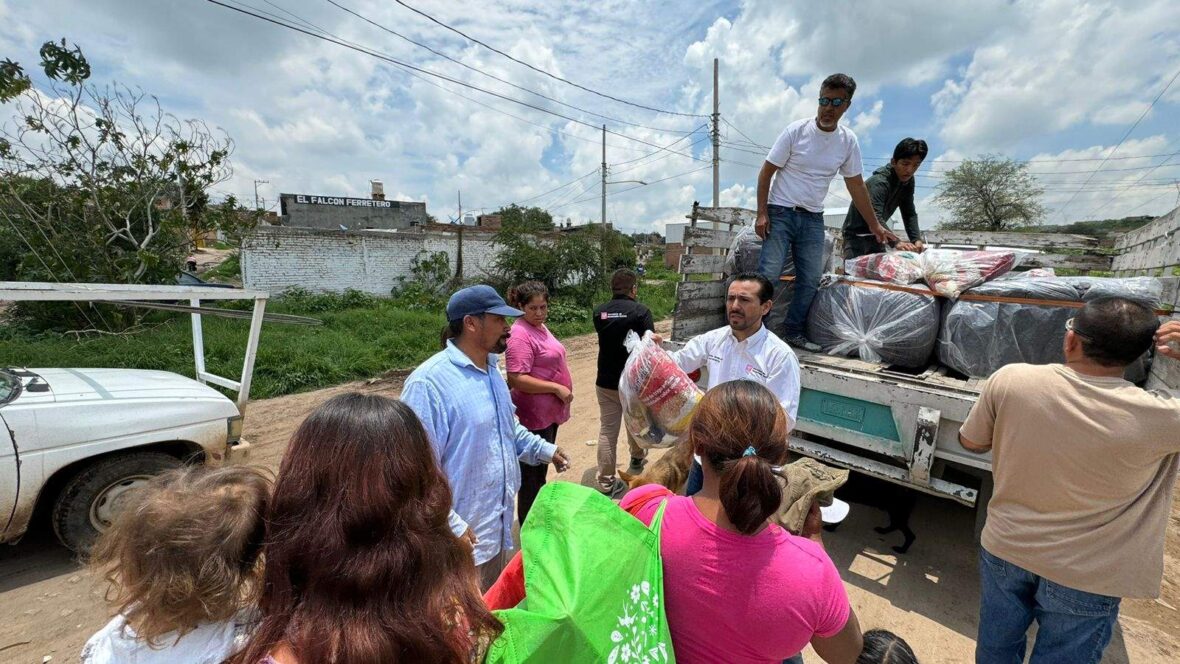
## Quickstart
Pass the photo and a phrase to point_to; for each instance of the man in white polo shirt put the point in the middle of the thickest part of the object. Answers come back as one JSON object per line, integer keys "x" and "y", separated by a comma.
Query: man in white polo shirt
{"x": 802, "y": 163}
{"x": 745, "y": 349}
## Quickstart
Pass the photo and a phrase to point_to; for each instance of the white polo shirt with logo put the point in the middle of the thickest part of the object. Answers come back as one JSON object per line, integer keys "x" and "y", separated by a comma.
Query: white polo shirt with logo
{"x": 762, "y": 357}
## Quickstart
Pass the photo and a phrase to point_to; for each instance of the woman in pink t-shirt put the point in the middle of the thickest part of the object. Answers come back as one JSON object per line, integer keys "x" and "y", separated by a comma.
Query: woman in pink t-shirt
{"x": 737, "y": 588}
{"x": 539, "y": 378}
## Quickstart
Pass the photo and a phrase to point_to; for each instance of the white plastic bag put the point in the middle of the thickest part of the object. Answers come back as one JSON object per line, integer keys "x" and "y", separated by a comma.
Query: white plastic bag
{"x": 658, "y": 398}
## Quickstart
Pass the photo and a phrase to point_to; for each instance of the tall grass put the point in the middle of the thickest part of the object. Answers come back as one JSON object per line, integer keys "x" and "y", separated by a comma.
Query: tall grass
{"x": 361, "y": 337}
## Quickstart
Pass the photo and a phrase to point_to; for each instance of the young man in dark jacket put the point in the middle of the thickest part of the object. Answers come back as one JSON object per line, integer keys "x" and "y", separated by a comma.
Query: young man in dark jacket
{"x": 612, "y": 321}
{"x": 891, "y": 187}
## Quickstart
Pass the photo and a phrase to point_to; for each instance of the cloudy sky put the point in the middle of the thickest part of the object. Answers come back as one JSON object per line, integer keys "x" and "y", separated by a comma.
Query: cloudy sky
{"x": 1057, "y": 83}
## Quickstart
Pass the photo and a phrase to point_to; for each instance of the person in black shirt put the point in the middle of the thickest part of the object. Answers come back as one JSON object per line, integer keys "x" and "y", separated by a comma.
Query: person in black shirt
{"x": 890, "y": 187}
{"x": 612, "y": 321}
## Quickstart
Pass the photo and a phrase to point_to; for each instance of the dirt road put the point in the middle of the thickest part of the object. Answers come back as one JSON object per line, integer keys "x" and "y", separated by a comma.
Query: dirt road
{"x": 50, "y": 606}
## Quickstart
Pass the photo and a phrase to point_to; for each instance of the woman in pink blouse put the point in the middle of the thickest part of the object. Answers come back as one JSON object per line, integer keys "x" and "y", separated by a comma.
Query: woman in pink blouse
{"x": 738, "y": 588}
{"x": 539, "y": 379}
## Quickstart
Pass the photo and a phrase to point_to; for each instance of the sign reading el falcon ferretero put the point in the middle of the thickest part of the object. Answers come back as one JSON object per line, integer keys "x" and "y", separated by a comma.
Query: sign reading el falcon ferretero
{"x": 339, "y": 201}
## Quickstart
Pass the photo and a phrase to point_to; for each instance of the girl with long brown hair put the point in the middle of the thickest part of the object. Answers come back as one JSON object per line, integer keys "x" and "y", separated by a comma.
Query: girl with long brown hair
{"x": 738, "y": 588}
{"x": 361, "y": 566}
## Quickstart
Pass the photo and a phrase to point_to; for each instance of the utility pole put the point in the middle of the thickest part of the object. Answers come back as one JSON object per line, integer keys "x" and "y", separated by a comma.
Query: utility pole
{"x": 604, "y": 176}
{"x": 602, "y": 229}
{"x": 257, "y": 203}
{"x": 716, "y": 141}
{"x": 460, "y": 207}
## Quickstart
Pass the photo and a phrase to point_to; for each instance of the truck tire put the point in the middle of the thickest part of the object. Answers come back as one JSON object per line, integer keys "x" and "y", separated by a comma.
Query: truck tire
{"x": 89, "y": 500}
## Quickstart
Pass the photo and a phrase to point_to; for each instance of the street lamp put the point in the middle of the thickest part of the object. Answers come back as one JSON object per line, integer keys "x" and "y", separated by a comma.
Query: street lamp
{"x": 604, "y": 183}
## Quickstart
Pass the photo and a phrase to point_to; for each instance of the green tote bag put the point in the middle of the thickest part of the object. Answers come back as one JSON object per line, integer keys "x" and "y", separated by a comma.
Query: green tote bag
{"x": 594, "y": 589}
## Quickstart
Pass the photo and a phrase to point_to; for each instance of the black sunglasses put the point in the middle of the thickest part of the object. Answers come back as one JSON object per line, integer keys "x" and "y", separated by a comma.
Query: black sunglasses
{"x": 834, "y": 101}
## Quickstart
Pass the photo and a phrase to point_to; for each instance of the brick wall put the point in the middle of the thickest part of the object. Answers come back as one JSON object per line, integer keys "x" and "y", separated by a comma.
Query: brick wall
{"x": 275, "y": 258}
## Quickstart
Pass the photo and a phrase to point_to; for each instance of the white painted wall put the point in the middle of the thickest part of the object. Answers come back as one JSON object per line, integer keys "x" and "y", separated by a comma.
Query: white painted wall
{"x": 276, "y": 258}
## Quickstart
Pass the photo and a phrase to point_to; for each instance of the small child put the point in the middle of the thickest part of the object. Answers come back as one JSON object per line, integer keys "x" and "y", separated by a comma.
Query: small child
{"x": 182, "y": 563}
{"x": 884, "y": 647}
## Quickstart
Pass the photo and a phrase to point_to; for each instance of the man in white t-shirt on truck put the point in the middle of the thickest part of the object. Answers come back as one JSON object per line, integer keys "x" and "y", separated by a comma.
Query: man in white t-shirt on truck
{"x": 802, "y": 163}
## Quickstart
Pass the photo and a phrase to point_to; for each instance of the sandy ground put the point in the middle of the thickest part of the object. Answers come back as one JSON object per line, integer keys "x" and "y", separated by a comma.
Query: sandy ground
{"x": 50, "y": 605}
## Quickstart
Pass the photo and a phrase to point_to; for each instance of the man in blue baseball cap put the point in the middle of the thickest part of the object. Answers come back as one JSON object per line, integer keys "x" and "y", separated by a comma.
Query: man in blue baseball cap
{"x": 464, "y": 404}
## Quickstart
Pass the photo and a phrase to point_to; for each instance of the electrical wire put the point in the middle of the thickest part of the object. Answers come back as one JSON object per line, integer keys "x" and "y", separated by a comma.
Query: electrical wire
{"x": 1125, "y": 135}
{"x": 405, "y": 65}
{"x": 493, "y": 76}
{"x": 542, "y": 71}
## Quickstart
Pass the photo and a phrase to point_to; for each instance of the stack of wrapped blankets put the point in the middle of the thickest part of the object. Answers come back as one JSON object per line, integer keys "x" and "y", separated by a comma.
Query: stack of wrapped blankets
{"x": 658, "y": 397}
{"x": 875, "y": 321}
{"x": 948, "y": 272}
{"x": 980, "y": 336}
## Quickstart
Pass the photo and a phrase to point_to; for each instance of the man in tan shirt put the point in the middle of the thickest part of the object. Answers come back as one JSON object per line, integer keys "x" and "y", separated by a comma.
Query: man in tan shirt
{"x": 1084, "y": 463}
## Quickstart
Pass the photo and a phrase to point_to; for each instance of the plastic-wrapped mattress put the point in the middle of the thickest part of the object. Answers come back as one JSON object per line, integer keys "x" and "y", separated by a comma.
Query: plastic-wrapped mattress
{"x": 979, "y": 337}
{"x": 746, "y": 249}
{"x": 743, "y": 256}
{"x": 862, "y": 318}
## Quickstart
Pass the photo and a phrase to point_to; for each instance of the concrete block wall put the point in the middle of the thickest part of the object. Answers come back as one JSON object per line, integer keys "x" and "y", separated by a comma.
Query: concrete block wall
{"x": 276, "y": 258}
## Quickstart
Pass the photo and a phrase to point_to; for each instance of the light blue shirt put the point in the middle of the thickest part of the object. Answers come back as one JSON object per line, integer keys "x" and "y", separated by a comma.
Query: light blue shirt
{"x": 471, "y": 421}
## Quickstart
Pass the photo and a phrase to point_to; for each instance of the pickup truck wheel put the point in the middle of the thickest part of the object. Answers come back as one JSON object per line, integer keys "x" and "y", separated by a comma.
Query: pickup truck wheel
{"x": 90, "y": 500}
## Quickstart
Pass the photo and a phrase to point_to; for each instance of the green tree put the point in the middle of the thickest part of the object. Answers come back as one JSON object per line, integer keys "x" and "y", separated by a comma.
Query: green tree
{"x": 525, "y": 220}
{"x": 101, "y": 184}
{"x": 575, "y": 262}
{"x": 990, "y": 194}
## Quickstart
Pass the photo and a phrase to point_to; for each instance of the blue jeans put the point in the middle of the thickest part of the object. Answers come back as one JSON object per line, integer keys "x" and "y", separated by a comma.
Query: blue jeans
{"x": 696, "y": 479}
{"x": 1073, "y": 626}
{"x": 801, "y": 233}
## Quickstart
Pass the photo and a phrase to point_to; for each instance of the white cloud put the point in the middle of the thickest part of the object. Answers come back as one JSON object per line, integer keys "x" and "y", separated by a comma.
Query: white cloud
{"x": 1065, "y": 63}
{"x": 315, "y": 117}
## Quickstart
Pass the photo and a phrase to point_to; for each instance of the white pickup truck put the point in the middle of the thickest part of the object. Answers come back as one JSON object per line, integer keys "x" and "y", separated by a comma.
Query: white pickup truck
{"x": 76, "y": 440}
{"x": 73, "y": 442}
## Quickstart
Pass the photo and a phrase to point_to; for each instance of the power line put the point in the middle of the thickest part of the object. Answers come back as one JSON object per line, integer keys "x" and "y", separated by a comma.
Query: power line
{"x": 493, "y": 76}
{"x": 743, "y": 134}
{"x": 405, "y": 65}
{"x": 566, "y": 199}
{"x": 700, "y": 127}
{"x": 1128, "y": 133}
{"x": 750, "y": 143}
{"x": 623, "y": 191}
{"x": 427, "y": 81}
{"x": 571, "y": 182}
{"x": 1134, "y": 184}
{"x": 542, "y": 71}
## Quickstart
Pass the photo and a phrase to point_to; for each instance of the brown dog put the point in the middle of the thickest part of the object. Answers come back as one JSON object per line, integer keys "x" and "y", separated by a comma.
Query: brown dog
{"x": 669, "y": 471}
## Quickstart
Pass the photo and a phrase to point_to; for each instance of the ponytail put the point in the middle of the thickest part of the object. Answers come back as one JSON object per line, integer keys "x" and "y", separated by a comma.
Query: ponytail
{"x": 750, "y": 493}
{"x": 740, "y": 430}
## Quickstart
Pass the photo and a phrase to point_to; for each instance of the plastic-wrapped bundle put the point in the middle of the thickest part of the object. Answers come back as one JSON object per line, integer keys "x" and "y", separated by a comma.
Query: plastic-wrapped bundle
{"x": 950, "y": 272}
{"x": 977, "y": 338}
{"x": 1037, "y": 272}
{"x": 895, "y": 267}
{"x": 658, "y": 397}
{"x": 878, "y": 324}
{"x": 746, "y": 249}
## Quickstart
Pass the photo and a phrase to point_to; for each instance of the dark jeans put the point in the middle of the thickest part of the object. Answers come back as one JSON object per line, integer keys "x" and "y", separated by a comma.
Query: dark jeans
{"x": 861, "y": 245}
{"x": 802, "y": 234}
{"x": 532, "y": 478}
{"x": 1073, "y": 626}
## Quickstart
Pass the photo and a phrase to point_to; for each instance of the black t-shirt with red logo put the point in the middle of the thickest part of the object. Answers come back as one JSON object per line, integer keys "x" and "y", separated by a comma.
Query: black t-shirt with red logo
{"x": 612, "y": 321}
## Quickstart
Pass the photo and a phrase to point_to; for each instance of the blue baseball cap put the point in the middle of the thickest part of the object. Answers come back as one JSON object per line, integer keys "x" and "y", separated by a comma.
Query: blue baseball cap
{"x": 476, "y": 300}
